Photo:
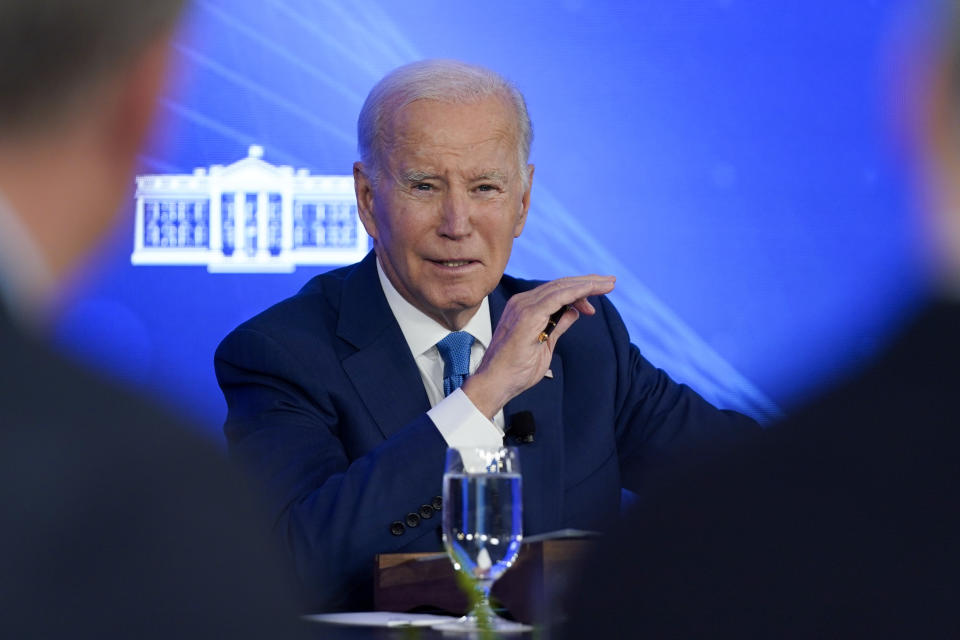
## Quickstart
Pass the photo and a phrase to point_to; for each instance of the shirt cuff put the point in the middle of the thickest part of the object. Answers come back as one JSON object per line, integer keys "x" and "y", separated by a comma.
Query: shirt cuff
{"x": 462, "y": 425}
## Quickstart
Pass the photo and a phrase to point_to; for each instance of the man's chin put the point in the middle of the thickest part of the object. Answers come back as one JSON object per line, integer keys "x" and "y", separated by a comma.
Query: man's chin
{"x": 454, "y": 314}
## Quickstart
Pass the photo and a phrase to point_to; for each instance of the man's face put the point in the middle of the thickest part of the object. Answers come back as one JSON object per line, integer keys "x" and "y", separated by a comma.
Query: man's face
{"x": 448, "y": 204}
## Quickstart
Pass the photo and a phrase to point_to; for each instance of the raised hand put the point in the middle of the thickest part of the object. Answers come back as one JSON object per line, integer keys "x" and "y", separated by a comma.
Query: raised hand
{"x": 517, "y": 358}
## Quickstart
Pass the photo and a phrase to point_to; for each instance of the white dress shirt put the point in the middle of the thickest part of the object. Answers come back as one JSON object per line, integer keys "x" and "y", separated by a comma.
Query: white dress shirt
{"x": 460, "y": 423}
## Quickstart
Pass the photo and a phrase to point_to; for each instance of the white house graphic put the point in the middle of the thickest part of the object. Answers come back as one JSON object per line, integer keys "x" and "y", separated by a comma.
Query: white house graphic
{"x": 249, "y": 216}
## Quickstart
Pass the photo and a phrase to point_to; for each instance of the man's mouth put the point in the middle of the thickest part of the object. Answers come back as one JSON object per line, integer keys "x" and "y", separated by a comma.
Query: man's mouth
{"x": 453, "y": 263}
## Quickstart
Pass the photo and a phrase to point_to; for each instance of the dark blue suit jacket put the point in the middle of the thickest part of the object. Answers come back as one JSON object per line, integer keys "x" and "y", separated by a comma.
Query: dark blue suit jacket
{"x": 117, "y": 520}
{"x": 325, "y": 402}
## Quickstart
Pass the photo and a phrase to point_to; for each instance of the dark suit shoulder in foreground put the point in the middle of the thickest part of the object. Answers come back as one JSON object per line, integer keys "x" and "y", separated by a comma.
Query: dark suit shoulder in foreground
{"x": 840, "y": 522}
{"x": 118, "y": 521}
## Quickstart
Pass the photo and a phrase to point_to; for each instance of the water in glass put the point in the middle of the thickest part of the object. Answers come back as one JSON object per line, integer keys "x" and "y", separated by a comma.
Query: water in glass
{"x": 482, "y": 525}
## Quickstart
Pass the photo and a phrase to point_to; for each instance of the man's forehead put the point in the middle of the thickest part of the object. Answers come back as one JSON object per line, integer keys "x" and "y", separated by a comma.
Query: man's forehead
{"x": 413, "y": 158}
{"x": 492, "y": 154}
{"x": 485, "y": 118}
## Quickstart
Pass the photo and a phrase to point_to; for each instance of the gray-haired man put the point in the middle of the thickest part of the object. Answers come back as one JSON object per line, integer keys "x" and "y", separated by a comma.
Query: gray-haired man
{"x": 345, "y": 396}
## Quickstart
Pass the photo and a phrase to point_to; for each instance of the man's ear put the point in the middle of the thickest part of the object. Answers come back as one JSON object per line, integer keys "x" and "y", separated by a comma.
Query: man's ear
{"x": 524, "y": 204}
{"x": 363, "y": 186}
{"x": 138, "y": 91}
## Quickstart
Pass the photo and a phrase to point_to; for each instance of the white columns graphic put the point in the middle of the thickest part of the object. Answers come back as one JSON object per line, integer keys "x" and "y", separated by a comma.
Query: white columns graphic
{"x": 182, "y": 219}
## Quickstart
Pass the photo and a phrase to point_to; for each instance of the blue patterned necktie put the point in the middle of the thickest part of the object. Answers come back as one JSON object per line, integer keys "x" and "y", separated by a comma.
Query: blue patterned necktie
{"x": 455, "y": 351}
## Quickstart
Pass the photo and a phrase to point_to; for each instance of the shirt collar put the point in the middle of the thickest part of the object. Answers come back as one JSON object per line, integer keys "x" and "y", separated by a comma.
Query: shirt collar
{"x": 27, "y": 283}
{"x": 423, "y": 332}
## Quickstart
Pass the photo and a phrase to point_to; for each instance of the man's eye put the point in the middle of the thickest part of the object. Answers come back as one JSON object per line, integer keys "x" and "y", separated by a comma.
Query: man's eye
{"x": 486, "y": 187}
{"x": 422, "y": 186}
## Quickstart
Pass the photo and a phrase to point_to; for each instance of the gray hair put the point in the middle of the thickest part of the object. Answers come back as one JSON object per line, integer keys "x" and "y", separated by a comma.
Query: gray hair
{"x": 53, "y": 52}
{"x": 442, "y": 80}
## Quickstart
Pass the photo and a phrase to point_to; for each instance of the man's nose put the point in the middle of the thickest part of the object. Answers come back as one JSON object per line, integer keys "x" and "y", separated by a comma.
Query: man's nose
{"x": 455, "y": 215}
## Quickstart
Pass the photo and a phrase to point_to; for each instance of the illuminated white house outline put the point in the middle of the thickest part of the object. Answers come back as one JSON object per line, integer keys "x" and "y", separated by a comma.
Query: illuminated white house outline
{"x": 286, "y": 218}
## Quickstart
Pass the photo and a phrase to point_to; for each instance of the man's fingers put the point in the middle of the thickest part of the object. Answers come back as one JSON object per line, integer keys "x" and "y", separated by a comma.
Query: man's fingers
{"x": 583, "y": 306}
{"x": 573, "y": 291}
{"x": 540, "y": 312}
{"x": 516, "y": 358}
{"x": 567, "y": 292}
{"x": 565, "y": 322}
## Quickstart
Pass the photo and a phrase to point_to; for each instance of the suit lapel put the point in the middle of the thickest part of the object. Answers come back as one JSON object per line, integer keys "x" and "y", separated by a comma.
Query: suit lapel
{"x": 542, "y": 460}
{"x": 386, "y": 377}
{"x": 382, "y": 369}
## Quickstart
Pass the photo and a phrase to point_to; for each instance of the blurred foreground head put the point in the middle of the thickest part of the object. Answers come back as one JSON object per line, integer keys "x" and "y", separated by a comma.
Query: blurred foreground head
{"x": 79, "y": 83}
{"x": 56, "y": 56}
{"x": 941, "y": 126}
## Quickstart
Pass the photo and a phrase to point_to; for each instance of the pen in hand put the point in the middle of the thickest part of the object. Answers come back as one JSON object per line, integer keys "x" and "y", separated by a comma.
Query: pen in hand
{"x": 552, "y": 323}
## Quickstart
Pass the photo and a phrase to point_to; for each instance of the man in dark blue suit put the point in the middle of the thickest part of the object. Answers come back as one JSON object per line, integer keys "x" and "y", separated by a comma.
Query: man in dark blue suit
{"x": 345, "y": 396}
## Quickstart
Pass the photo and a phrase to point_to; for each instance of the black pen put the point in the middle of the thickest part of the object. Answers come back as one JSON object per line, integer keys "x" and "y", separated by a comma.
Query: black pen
{"x": 552, "y": 323}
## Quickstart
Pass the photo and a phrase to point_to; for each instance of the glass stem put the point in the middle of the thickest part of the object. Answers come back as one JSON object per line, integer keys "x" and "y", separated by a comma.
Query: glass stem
{"x": 482, "y": 611}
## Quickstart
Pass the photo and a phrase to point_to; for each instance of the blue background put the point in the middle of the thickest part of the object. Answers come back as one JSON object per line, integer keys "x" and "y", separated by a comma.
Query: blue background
{"x": 733, "y": 163}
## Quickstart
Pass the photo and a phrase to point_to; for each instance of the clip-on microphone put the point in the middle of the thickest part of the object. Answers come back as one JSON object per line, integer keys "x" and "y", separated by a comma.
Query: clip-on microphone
{"x": 521, "y": 428}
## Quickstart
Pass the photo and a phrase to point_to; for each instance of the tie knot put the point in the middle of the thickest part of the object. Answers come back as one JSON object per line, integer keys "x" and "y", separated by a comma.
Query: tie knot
{"x": 455, "y": 351}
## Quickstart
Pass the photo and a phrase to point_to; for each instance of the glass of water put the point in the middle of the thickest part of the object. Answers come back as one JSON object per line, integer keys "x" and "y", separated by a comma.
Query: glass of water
{"x": 482, "y": 526}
